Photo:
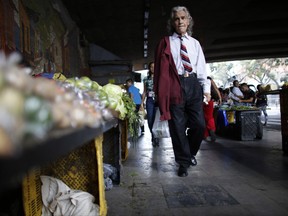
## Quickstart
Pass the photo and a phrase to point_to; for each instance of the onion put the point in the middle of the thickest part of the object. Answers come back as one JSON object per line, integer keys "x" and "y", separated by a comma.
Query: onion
{"x": 12, "y": 100}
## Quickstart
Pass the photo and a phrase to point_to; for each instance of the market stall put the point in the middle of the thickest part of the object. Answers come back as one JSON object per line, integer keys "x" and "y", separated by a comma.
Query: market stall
{"x": 58, "y": 132}
{"x": 243, "y": 123}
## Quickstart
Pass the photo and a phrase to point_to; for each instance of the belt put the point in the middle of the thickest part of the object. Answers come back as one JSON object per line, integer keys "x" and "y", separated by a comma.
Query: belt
{"x": 189, "y": 75}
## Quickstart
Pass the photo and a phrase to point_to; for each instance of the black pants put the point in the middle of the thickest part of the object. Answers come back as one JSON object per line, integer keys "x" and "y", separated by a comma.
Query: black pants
{"x": 187, "y": 115}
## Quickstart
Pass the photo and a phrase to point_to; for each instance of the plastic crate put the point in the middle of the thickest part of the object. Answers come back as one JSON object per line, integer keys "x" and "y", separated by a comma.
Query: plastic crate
{"x": 82, "y": 169}
{"x": 248, "y": 125}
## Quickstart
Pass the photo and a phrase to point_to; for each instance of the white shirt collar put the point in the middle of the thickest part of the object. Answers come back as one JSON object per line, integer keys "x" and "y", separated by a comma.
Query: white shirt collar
{"x": 176, "y": 36}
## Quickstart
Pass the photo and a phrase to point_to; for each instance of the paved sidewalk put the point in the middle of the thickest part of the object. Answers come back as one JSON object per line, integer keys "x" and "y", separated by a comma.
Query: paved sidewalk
{"x": 232, "y": 178}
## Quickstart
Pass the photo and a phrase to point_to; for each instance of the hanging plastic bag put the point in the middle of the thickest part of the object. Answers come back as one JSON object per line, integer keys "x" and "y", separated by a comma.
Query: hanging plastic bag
{"x": 142, "y": 115}
{"x": 160, "y": 128}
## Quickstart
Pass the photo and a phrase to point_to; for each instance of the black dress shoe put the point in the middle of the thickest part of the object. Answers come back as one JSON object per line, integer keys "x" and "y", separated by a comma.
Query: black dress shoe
{"x": 182, "y": 172}
{"x": 193, "y": 161}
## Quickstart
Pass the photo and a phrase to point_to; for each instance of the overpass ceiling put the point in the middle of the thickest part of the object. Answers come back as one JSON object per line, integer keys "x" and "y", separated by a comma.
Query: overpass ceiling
{"x": 227, "y": 30}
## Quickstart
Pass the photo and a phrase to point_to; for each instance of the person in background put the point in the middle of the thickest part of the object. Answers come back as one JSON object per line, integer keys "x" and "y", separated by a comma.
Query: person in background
{"x": 249, "y": 95}
{"x": 225, "y": 96}
{"x": 149, "y": 96}
{"x": 134, "y": 93}
{"x": 180, "y": 89}
{"x": 236, "y": 94}
{"x": 262, "y": 102}
{"x": 209, "y": 134}
{"x": 221, "y": 89}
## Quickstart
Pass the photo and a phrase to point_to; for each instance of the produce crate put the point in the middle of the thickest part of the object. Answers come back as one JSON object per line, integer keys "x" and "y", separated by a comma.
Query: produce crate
{"x": 81, "y": 169}
{"x": 111, "y": 149}
{"x": 248, "y": 125}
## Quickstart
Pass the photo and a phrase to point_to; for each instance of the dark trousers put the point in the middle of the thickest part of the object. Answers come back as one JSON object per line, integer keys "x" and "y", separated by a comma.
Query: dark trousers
{"x": 151, "y": 111}
{"x": 187, "y": 124}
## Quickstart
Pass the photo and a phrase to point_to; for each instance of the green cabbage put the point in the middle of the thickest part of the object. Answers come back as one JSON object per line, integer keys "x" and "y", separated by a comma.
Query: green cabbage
{"x": 115, "y": 93}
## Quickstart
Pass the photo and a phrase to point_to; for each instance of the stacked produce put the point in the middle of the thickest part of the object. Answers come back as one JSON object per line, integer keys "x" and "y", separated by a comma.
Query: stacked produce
{"x": 31, "y": 107}
{"x": 238, "y": 108}
{"x": 113, "y": 97}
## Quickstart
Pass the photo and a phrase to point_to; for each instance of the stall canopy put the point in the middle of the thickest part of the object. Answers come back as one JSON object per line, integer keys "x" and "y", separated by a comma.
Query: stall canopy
{"x": 106, "y": 67}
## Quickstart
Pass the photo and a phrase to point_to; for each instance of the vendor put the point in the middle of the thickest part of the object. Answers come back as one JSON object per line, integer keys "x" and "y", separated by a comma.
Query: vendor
{"x": 249, "y": 95}
{"x": 236, "y": 94}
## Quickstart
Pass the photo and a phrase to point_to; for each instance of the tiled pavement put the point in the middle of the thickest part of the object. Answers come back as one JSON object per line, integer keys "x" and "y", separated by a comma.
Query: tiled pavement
{"x": 232, "y": 178}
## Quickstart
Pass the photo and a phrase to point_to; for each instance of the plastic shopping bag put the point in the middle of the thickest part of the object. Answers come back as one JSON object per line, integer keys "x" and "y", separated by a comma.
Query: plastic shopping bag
{"x": 160, "y": 128}
{"x": 142, "y": 116}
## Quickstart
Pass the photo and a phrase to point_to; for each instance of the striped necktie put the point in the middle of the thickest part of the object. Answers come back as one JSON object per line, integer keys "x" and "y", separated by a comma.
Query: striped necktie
{"x": 185, "y": 59}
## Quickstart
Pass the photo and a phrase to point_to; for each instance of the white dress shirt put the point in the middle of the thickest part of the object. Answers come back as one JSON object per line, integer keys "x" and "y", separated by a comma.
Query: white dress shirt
{"x": 236, "y": 93}
{"x": 196, "y": 57}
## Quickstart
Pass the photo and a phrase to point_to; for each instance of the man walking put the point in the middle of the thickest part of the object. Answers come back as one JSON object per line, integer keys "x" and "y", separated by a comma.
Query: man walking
{"x": 180, "y": 82}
